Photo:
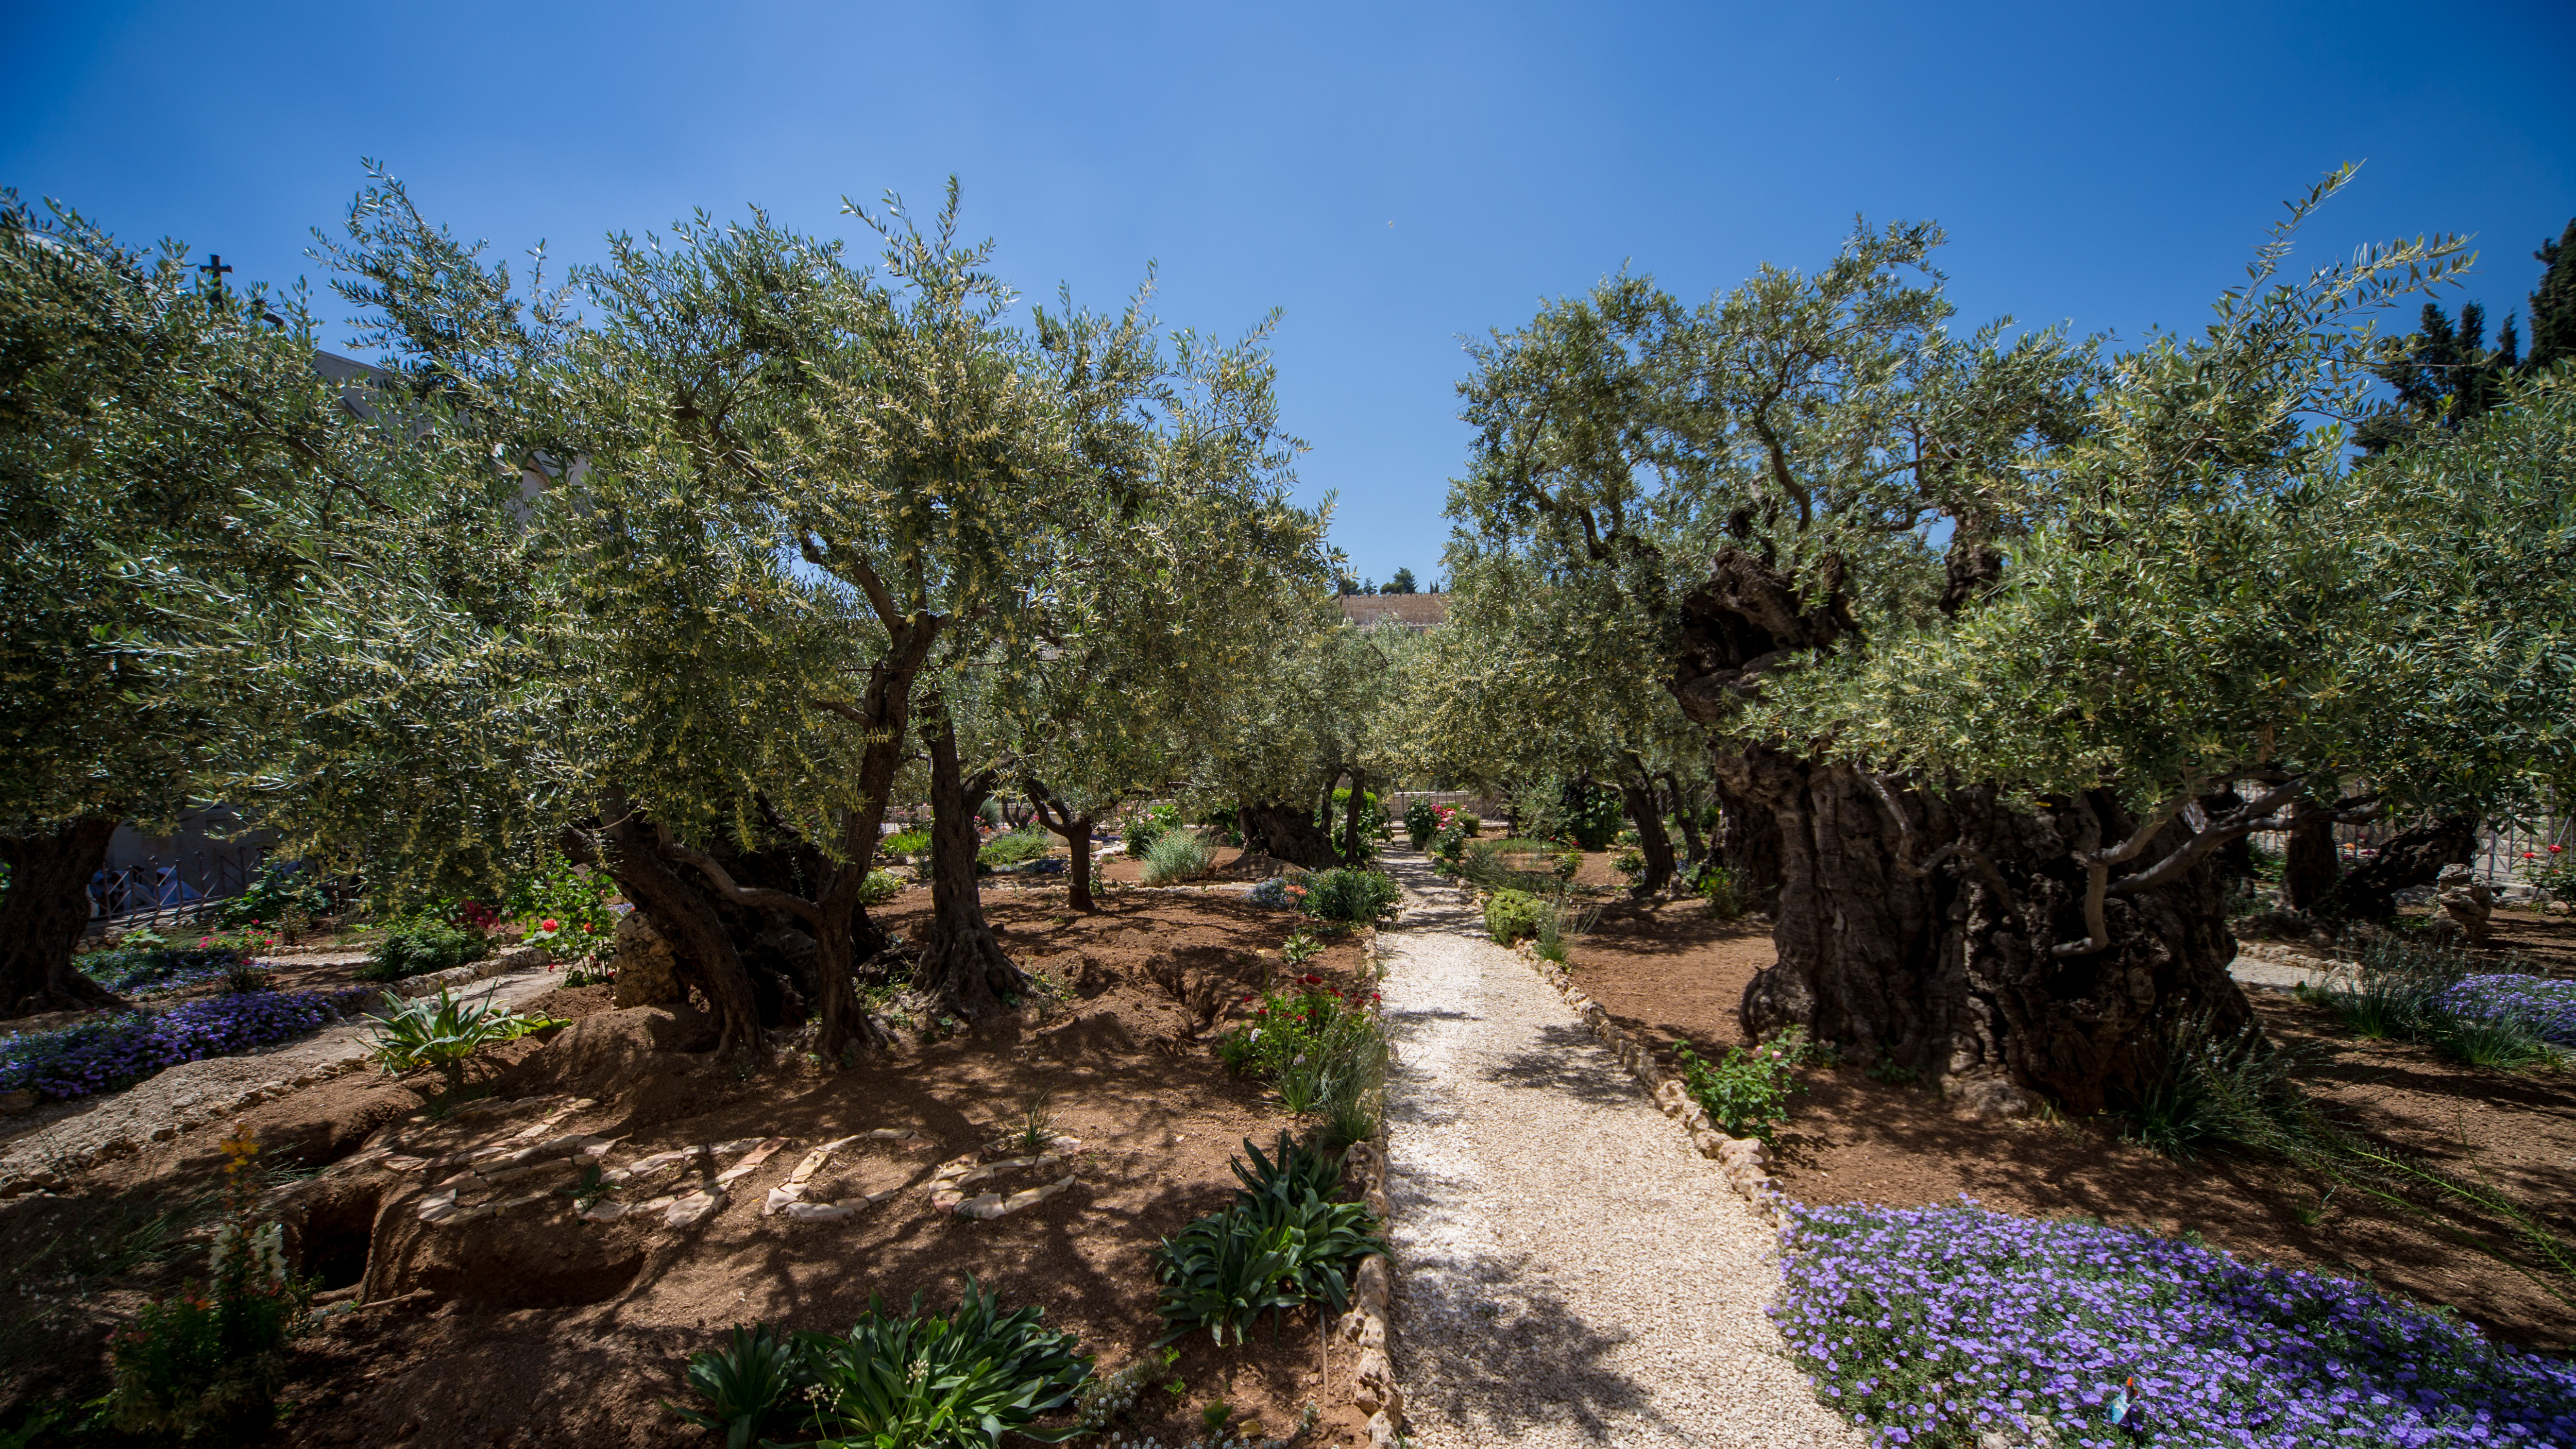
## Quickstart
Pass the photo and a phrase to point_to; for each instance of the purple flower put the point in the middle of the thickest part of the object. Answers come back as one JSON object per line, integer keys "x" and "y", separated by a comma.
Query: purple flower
{"x": 1942, "y": 1324}
{"x": 115, "y": 1051}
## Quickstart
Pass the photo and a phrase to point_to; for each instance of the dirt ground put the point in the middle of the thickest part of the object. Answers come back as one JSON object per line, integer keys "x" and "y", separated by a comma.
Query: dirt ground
{"x": 1674, "y": 975}
{"x": 526, "y": 1326}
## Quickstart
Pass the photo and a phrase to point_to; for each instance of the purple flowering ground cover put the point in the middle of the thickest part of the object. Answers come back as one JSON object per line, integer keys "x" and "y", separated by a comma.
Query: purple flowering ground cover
{"x": 1932, "y": 1326}
{"x": 110, "y": 1052}
{"x": 2550, "y": 1006}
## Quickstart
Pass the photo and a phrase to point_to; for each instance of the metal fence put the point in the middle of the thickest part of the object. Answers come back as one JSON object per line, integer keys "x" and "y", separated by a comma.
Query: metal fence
{"x": 170, "y": 891}
{"x": 2502, "y": 850}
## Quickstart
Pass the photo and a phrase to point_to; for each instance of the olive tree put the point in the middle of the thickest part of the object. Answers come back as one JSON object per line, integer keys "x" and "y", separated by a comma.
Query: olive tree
{"x": 1804, "y": 435}
{"x": 145, "y": 420}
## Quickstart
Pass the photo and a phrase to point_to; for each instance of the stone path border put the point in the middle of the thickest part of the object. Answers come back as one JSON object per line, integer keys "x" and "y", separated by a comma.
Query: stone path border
{"x": 1365, "y": 1325}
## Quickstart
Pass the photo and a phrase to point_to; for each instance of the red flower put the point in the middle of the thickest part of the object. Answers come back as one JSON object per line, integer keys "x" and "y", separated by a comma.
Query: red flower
{"x": 547, "y": 925}
{"x": 1312, "y": 980}
{"x": 2555, "y": 849}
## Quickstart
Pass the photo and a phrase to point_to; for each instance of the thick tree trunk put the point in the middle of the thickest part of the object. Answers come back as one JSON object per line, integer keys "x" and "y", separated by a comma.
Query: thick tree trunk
{"x": 43, "y": 913}
{"x": 1647, "y": 813}
{"x": 1921, "y": 926}
{"x": 2309, "y": 867}
{"x": 1286, "y": 832}
{"x": 1354, "y": 849}
{"x": 2415, "y": 857}
{"x": 1689, "y": 817}
{"x": 1953, "y": 971}
{"x": 962, "y": 962}
{"x": 1076, "y": 833}
{"x": 702, "y": 949}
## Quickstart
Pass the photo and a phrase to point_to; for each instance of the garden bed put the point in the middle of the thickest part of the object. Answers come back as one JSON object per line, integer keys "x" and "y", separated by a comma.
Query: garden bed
{"x": 1672, "y": 975}
{"x": 507, "y": 1321}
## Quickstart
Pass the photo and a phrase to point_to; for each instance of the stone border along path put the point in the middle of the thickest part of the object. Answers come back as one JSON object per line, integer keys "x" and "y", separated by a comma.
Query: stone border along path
{"x": 61, "y": 1140}
{"x": 1573, "y": 1272}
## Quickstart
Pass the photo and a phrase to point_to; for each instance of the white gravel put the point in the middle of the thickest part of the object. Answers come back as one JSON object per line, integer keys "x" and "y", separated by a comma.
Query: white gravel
{"x": 1570, "y": 1271}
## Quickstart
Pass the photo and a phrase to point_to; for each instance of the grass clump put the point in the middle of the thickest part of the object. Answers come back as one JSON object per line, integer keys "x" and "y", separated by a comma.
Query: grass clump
{"x": 1015, "y": 847}
{"x": 2407, "y": 991}
{"x": 1177, "y": 854}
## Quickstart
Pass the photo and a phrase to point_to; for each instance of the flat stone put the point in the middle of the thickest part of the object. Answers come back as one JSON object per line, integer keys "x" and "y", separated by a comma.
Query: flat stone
{"x": 817, "y": 1212}
{"x": 603, "y": 1211}
{"x": 693, "y": 1210}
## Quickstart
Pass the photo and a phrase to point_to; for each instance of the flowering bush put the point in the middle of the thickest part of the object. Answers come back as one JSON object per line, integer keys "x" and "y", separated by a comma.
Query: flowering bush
{"x": 2553, "y": 870}
{"x": 207, "y": 1362}
{"x": 1279, "y": 891}
{"x": 1747, "y": 1094}
{"x": 1421, "y": 822}
{"x": 1351, "y": 896}
{"x": 278, "y": 891}
{"x": 420, "y": 945}
{"x": 2548, "y": 1007}
{"x": 1938, "y": 1325}
{"x": 110, "y": 1052}
{"x": 1321, "y": 1050}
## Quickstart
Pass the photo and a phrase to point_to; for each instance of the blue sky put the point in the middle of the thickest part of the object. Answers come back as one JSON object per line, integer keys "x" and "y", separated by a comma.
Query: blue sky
{"x": 1393, "y": 177}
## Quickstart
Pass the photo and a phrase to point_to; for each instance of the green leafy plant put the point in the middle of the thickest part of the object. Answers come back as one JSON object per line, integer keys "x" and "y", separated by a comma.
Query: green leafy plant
{"x": 750, "y": 1386}
{"x": 1724, "y": 893}
{"x": 278, "y": 890}
{"x": 443, "y": 1034}
{"x": 1281, "y": 1244}
{"x": 1630, "y": 861}
{"x": 1747, "y": 1093}
{"x": 1300, "y": 948}
{"x": 562, "y": 905}
{"x": 590, "y": 1190}
{"x": 1177, "y": 854}
{"x": 880, "y": 887}
{"x": 1350, "y": 896}
{"x": 1036, "y": 1129}
{"x": 419, "y": 945}
{"x": 206, "y": 1363}
{"x": 1512, "y": 916}
{"x": 1147, "y": 826}
{"x": 905, "y": 843}
{"x": 942, "y": 1383}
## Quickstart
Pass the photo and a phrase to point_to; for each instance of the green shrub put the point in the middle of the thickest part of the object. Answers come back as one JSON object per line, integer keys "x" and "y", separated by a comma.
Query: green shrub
{"x": 1177, "y": 854}
{"x": 277, "y": 891}
{"x": 141, "y": 963}
{"x": 1512, "y": 917}
{"x": 1282, "y": 1243}
{"x": 1591, "y": 814}
{"x": 880, "y": 887}
{"x": 1724, "y": 894}
{"x": 563, "y": 906}
{"x": 1322, "y": 1052}
{"x": 1350, "y": 895}
{"x": 418, "y": 945}
{"x": 1747, "y": 1094}
{"x": 1016, "y": 847}
{"x": 943, "y": 1383}
{"x": 1469, "y": 825}
{"x": 1147, "y": 826}
{"x": 1630, "y": 861}
{"x": 913, "y": 841}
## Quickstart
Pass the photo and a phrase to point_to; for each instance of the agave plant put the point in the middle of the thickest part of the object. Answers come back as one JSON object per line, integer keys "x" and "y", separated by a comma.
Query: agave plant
{"x": 442, "y": 1034}
{"x": 1282, "y": 1244}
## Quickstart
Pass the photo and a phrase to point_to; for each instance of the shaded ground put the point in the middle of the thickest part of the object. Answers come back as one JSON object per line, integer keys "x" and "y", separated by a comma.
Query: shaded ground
{"x": 1674, "y": 975}
{"x": 530, "y": 1327}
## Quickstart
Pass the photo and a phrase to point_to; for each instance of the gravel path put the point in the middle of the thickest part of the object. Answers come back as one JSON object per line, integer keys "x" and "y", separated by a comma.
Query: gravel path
{"x": 61, "y": 1138}
{"x": 1570, "y": 1270}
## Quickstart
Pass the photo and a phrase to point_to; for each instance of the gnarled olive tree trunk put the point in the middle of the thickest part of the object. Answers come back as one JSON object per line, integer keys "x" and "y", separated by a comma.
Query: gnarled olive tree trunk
{"x": 962, "y": 961}
{"x": 1286, "y": 832}
{"x": 1646, "y": 812}
{"x": 2414, "y": 857}
{"x": 1931, "y": 924}
{"x": 42, "y": 914}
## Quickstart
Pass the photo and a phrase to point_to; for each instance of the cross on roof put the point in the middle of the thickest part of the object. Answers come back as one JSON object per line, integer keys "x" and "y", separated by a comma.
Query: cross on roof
{"x": 214, "y": 267}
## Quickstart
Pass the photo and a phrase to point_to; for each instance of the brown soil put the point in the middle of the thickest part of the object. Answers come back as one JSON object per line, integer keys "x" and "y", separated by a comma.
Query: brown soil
{"x": 534, "y": 1328}
{"x": 1672, "y": 974}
